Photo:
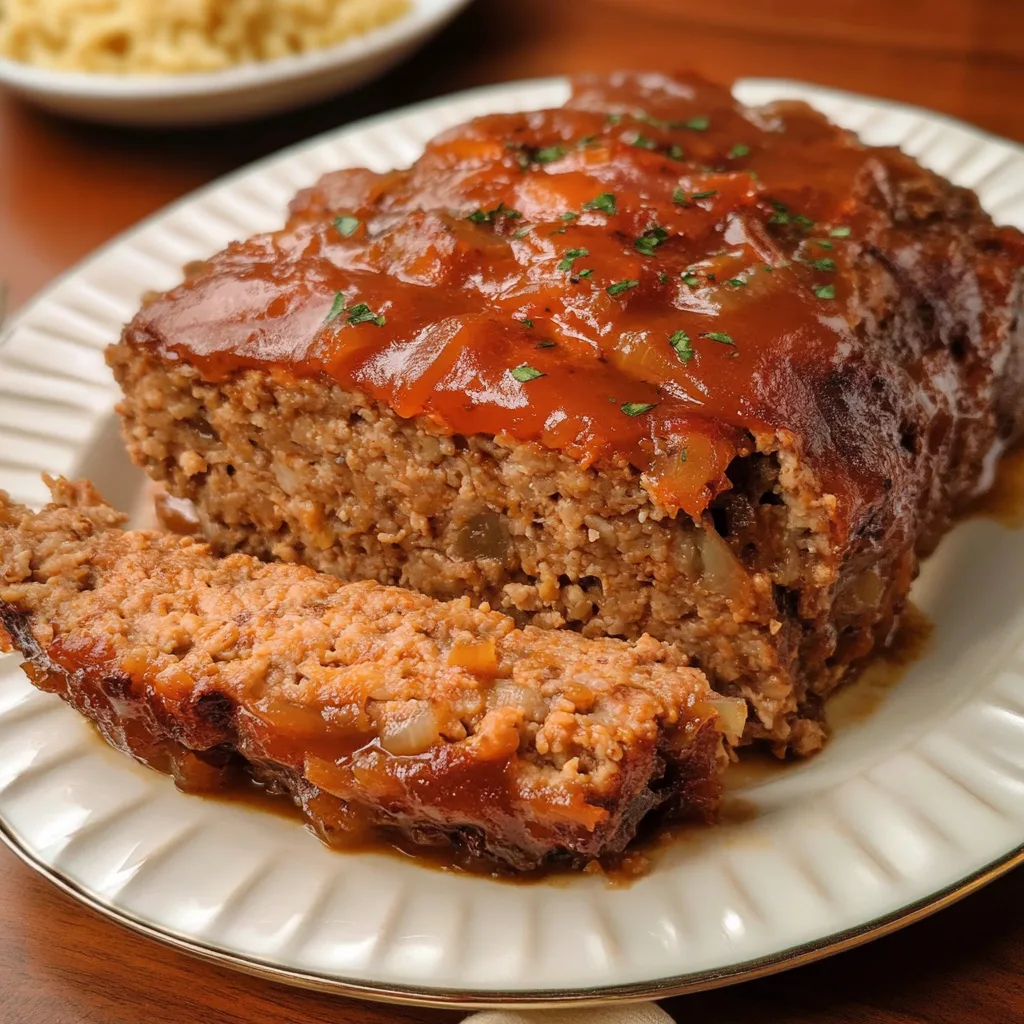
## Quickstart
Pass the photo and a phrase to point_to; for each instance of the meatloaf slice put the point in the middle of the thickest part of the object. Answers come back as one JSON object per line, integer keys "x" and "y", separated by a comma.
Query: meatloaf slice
{"x": 376, "y": 708}
{"x": 650, "y": 362}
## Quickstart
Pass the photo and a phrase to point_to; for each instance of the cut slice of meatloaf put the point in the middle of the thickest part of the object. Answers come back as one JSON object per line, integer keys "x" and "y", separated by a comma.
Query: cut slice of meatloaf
{"x": 374, "y": 707}
{"x": 650, "y": 362}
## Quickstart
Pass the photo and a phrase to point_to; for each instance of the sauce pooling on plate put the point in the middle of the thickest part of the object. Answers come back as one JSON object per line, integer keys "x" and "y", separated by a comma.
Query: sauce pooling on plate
{"x": 651, "y": 275}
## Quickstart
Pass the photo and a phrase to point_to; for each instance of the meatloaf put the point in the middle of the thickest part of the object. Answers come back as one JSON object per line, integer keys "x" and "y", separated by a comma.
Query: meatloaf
{"x": 374, "y": 707}
{"x": 651, "y": 362}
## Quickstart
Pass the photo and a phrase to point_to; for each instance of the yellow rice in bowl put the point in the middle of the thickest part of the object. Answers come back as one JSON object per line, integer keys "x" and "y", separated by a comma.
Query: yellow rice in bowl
{"x": 175, "y": 36}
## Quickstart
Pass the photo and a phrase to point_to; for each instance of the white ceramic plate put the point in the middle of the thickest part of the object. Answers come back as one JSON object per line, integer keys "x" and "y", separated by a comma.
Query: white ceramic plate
{"x": 234, "y": 94}
{"x": 918, "y": 804}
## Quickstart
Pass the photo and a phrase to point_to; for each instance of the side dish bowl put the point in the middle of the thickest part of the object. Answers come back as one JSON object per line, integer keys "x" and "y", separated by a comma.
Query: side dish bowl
{"x": 233, "y": 94}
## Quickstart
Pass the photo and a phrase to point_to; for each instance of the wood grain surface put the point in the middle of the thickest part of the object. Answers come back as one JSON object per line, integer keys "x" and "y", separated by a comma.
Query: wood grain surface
{"x": 66, "y": 188}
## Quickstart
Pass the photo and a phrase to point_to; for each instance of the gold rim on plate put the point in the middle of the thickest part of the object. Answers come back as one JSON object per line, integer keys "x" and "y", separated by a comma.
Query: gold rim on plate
{"x": 683, "y": 984}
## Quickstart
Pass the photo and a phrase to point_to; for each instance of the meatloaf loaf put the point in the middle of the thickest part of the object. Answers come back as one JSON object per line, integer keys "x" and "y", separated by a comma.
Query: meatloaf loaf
{"x": 649, "y": 362}
{"x": 372, "y": 706}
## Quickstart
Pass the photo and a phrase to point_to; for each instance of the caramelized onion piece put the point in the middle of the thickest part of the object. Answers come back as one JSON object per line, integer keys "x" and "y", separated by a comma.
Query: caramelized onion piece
{"x": 731, "y": 716}
{"x": 411, "y": 731}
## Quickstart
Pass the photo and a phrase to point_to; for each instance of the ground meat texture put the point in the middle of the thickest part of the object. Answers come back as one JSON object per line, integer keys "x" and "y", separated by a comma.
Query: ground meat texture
{"x": 377, "y": 709}
{"x": 651, "y": 362}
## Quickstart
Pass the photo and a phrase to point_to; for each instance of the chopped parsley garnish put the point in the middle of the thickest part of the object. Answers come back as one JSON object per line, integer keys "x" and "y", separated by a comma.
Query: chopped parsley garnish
{"x": 525, "y": 372}
{"x": 690, "y": 279}
{"x": 362, "y": 314}
{"x": 675, "y": 152}
{"x": 804, "y": 222}
{"x": 738, "y": 150}
{"x": 521, "y": 234}
{"x": 605, "y": 202}
{"x": 637, "y": 408}
{"x": 545, "y": 344}
{"x": 642, "y": 142}
{"x": 680, "y": 198}
{"x": 570, "y": 216}
{"x": 487, "y": 216}
{"x": 649, "y": 241}
{"x": 614, "y": 119}
{"x": 825, "y": 291}
{"x": 767, "y": 269}
{"x": 584, "y": 273}
{"x": 682, "y": 454}
{"x": 586, "y": 140}
{"x": 348, "y": 226}
{"x": 526, "y": 322}
{"x": 697, "y": 124}
{"x": 822, "y": 243}
{"x": 825, "y": 263}
{"x": 337, "y": 307}
{"x": 736, "y": 282}
{"x": 549, "y": 154}
{"x": 620, "y": 286}
{"x": 840, "y": 232}
{"x": 571, "y": 257}
{"x": 722, "y": 339}
{"x": 662, "y": 277}
{"x": 680, "y": 342}
{"x": 779, "y": 217}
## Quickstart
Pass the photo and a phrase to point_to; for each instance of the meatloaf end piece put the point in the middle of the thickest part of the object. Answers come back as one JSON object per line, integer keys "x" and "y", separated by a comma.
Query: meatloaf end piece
{"x": 376, "y": 708}
{"x": 649, "y": 362}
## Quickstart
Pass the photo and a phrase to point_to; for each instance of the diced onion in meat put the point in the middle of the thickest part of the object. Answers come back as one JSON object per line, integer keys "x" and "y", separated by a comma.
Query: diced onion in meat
{"x": 413, "y": 733}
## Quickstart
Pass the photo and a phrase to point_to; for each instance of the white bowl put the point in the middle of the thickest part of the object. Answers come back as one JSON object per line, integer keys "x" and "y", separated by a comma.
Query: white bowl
{"x": 234, "y": 94}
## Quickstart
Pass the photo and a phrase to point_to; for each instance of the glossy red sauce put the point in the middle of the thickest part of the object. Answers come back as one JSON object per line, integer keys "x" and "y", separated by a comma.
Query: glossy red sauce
{"x": 459, "y": 290}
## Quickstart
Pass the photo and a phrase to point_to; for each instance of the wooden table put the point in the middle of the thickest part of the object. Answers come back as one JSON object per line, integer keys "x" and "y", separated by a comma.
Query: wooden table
{"x": 66, "y": 188}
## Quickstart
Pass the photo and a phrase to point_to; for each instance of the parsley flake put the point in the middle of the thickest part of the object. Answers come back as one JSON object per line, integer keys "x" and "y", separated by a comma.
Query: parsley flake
{"x": 825, "y": 291}
{"x": 705, "y": 195}
{"x": 614, "y": 119}
{"x": 690, "y": 279}
{"x": 822, "y": 243}
{"x": 637, "y": 408}
{"x": 362, "y": 314}
{"x": 736, "y": 282}
{"x": 642, "y": 142}
{"x": 337, "y": 307}
{"x": 697, "y": 124}
{"x": 348, "y": 226}
{"x": 584, "y": 273}
{"x": 521, "y": 234}
{"x": 545, "y": 344}
{"x": 738, "y": 150}
{"x": 571, "y": 257}
{"x": 570, "y": 216}
{"x": 675, "y": 153}
{"x": 682, "y": 454}
{"x": 649, "y": 241}
{"x": 525, "y": 372}
{"x": 840, "y": 232}
{"x": 526, "y": 322}
{"x": 605, "y": 202}
{"x": 620, "y": 286}
{"x": 487, "y": 216}
{"x": 549, "y": 154}
{"x": 680, "y": 342}
{"x": 722, "y": 339}
{"x": 822, "y": 264}
{"x": 804, "y": 222}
